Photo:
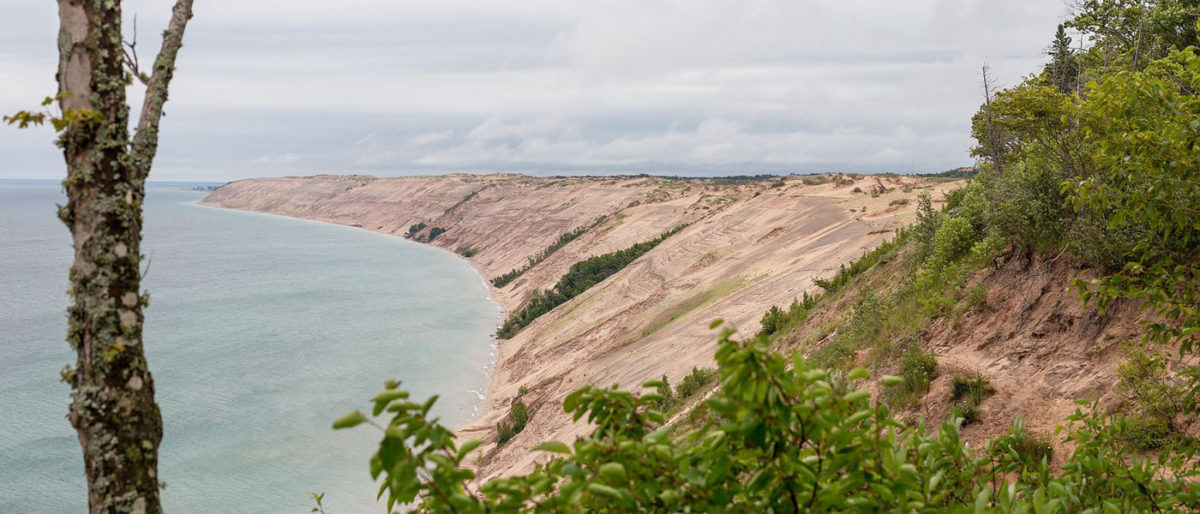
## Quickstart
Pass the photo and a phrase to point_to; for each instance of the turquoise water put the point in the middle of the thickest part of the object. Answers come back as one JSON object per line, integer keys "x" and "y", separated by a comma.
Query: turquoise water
{"x": 261, "y": 330}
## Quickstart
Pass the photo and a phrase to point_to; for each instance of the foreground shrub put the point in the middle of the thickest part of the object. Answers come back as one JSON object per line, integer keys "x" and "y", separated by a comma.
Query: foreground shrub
{"x": 793, "y": 438}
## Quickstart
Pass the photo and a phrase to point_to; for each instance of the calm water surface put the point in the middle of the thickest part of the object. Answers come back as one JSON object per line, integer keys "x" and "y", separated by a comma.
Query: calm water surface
{"x": 261, "y": 330}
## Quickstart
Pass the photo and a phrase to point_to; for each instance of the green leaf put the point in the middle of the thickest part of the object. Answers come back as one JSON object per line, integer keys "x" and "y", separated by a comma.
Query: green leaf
{"x": 891, "y": 380}
{"x": 857, "y": 396}
{"x": 553, "y": 447}
{"x": 468, "y": 447}
{"x": 613, "y": 472}
{"x": 981, "y": 500}
{"x": 858, "y": 374}
{"x": 572, "y": 400}
{"x": 603, "y": 490}
{"x": 389, "y": 395}
{"x": 350, "y": 420}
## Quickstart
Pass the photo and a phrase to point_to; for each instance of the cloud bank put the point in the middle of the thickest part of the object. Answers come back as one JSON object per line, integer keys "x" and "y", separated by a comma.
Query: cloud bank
{"x": 688, "y": 86}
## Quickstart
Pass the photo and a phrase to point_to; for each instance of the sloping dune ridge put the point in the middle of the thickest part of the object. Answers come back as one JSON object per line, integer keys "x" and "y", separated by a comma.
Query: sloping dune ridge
{"x": 748, "y": 244}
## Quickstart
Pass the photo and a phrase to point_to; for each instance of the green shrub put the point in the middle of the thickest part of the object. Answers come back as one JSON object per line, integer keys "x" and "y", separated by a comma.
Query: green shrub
{"x": 1101, "y": 245}
{"x": 518, "y": 416}
{"x": 778, "y": 320}
{"x": 966, "y": 411}
{"x": 413, "y": 229}
{"x": 1157, "y": 396}
{"x": 925, "y": 227}
{"x": 969, "y": 388}
{"x": 975, "y": 297}
{"x": 986, "y": 250}
{"x": 468, "y": 250}
{"x": 434, "y": 233}
{"x": 1146, "y": 432}
{"x": 953, "y": 238}
{"x": 934, "y": 289}
{"x": 1026, "y": 204}
{"x": 508, "y": 277}
{"x": 968, "y": 392}
{"x": 667, "y": 399}
{"x": 861, "y": 330}
{"x": 693, "y": 382}
{"x": 917, "y": 369}
{"x": 772, "y": 320}
{"x": 1030, "y": 449}
{"x": 815, "y": 180}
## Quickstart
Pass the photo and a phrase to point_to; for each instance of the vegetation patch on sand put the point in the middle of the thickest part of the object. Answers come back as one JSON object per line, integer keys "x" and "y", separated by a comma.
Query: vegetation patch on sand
{"x": 699, "y": 300}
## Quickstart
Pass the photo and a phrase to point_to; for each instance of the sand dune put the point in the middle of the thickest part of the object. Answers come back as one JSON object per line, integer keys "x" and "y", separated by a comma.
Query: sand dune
{"x": 748, "y": 245}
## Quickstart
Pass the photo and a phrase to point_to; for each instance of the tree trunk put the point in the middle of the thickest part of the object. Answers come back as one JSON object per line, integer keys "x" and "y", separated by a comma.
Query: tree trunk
{"x": 112, "y": 399}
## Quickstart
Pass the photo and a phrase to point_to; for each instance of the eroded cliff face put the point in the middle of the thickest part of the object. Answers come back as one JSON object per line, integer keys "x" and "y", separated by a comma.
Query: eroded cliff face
{"x": 747, "y": 246}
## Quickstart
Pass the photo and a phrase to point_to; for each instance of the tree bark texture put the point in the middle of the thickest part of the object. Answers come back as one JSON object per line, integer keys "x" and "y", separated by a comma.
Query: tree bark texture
{"x": 112, "y": 398}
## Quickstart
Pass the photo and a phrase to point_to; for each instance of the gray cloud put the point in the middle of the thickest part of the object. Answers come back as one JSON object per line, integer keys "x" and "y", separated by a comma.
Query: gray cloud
{"x": 686, "y": 86}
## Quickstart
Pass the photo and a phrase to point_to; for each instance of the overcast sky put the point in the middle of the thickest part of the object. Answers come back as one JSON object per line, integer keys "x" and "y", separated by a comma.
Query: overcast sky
{"x": 390, "y": 87}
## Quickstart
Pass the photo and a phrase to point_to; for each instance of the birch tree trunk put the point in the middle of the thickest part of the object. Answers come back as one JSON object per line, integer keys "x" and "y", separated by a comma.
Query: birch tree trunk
{"x": 112, "y": 399}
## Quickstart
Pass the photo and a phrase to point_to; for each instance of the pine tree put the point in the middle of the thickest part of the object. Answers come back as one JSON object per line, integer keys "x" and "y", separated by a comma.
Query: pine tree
{"x": 1063, "y": 68}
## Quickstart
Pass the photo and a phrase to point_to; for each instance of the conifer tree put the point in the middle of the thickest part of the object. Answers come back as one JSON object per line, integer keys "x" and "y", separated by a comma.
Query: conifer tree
{"x": 1063, "y": 68}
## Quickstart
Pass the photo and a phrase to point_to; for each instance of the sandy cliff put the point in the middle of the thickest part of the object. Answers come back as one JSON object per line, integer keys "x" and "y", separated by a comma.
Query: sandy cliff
{"x": 748, "y": 245}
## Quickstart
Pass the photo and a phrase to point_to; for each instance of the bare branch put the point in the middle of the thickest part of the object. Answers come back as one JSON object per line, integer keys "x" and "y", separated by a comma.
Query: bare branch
{"x": 145, "y": 141}
{"x": 129, "y": 51}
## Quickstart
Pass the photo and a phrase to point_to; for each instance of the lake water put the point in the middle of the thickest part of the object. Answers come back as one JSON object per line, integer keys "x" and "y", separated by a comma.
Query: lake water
{"x": 261, "y": 331}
